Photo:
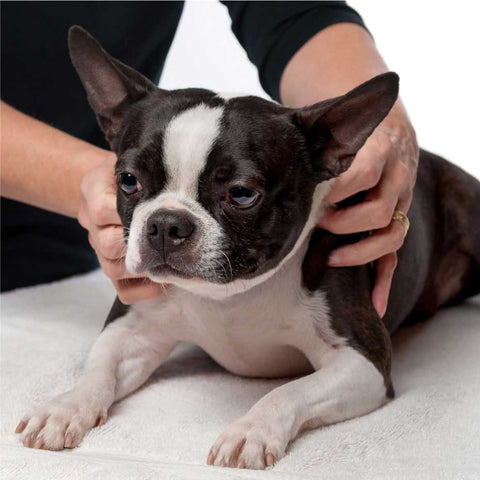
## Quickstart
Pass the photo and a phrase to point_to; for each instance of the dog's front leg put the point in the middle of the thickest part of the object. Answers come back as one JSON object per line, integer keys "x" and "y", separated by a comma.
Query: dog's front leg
{"x": 122, "y": 358}
{"x": 347, "y": 385}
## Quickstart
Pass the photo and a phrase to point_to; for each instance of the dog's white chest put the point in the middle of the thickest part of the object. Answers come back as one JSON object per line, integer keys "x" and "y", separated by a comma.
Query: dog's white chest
{"x": 251, "y": 341}
{"x": 271, "y": 331}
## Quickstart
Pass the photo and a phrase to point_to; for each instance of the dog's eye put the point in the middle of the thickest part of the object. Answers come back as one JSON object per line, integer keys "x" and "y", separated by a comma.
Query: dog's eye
{"x": 243, "y": 197}
{"x": 129, "y": 184}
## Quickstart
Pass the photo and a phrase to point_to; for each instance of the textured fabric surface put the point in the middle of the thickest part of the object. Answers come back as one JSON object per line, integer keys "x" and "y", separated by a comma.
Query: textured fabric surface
{"x": 164, "y": 430}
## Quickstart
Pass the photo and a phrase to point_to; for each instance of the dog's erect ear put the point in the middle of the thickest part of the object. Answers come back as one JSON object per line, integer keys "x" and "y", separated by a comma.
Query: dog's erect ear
{"x": 111, "y": 86}
{"x": 337, "y": 128}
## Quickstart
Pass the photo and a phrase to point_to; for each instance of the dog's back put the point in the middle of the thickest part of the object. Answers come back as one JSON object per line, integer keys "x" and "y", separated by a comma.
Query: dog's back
{"x": 445, "y": 228}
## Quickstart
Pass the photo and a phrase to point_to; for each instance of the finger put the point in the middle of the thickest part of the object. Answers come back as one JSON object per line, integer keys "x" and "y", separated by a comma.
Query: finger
{"x": 110, "y": 242}
{"x": 363, "y": 174}
{"x": 383, "y": 282}
{"x": 99, "y": 195}
{"x": 82, "y": 218}
{"x": 377, "y": 209}
{"x": 91, "y": 240}
{"x": 373, "y": 213}
{"x": 380, "y": 243}
{"x": 135, "y": 290}
{"x": 102, "y": 209}
{"x": 404, "y": 201}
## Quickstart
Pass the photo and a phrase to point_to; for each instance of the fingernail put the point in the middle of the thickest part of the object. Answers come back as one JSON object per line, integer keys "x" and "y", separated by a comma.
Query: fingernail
{"x": 270, "y": 460}
{"x": 333, "y": 260}
{"x": 380, "y": 308}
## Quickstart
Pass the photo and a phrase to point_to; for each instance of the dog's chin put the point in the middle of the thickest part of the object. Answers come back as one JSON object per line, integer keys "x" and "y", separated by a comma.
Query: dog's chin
{"x": 178, "y": 276}
{"x": 164, "y": 271}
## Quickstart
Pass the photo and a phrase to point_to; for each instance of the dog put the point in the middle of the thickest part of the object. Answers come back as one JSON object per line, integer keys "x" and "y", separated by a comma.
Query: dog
{"x": 219, "y": 197}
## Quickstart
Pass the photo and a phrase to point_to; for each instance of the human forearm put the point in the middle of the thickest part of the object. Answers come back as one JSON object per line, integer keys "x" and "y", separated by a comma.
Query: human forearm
{"x": 41, "y": 165}
{"x": 331, "y": 63}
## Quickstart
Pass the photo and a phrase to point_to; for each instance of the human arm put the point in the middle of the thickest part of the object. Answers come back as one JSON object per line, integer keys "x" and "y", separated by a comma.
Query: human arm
{"x": 42, "y": 165}
{"x": 48, "y": 168}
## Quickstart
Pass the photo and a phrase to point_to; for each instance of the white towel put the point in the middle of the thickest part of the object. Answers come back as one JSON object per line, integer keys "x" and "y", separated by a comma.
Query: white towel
{"x": 165, "y": 430}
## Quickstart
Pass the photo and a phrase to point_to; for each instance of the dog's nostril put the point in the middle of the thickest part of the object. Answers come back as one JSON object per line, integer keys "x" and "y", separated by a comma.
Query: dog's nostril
{"x": 183, "y": 228}
{"x": 152, "y": 229}
{"x": 174, "y": 232}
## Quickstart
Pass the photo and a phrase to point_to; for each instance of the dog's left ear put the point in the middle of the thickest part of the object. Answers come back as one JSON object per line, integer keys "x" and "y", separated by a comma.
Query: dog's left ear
{"x": 337, "y": 128}
{"x": 111, "y": 86}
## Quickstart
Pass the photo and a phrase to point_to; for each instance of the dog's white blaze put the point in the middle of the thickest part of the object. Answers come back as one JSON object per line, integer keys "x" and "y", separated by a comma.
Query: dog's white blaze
{"x": 188, "y": 140}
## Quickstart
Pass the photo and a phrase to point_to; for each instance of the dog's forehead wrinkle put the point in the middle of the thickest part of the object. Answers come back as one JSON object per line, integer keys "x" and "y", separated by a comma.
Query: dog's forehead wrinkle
{"x": 189, "y": 138}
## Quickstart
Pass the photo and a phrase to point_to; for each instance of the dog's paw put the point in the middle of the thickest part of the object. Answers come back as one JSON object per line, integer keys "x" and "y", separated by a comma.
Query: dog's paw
{"x": 62, "y": 422}
{"x": 247, "y": 443}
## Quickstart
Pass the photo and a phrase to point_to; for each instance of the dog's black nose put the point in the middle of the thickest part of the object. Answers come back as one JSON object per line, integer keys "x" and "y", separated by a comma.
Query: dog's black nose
{"x": 168, "y": 230}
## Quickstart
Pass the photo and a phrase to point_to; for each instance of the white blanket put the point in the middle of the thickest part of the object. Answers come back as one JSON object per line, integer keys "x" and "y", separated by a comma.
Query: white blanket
{"x": 164, "y": 430}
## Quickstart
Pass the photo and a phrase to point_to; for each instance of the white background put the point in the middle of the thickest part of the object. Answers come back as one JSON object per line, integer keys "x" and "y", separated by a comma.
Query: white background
{"x": 433, "y": 45}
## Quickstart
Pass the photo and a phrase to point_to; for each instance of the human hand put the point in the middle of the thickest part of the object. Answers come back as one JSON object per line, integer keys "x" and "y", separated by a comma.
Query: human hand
{"x": 386, "y": 166}
{"x": 98, "y": 214}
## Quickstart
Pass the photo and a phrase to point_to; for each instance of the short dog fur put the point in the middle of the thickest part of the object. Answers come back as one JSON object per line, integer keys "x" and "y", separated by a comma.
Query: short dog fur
{"x": 219, "y": 198}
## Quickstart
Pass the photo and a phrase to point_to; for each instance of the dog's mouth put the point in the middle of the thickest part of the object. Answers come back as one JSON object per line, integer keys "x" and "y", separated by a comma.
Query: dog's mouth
{"x": 165, "y": 270}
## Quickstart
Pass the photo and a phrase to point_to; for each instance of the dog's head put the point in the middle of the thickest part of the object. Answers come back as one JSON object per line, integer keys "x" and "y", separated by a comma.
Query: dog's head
{"x": 215, "y": 190}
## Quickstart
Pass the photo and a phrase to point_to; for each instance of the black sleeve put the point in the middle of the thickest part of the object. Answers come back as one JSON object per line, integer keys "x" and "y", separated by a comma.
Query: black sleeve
{"x": 272, "y": 32}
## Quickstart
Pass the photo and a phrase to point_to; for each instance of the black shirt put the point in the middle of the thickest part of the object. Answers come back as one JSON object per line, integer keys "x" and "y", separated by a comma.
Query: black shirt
{"x": 39, "y": 80}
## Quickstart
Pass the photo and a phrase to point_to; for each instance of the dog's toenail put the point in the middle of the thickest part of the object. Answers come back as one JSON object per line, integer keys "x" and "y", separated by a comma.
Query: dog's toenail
{"x": 39, "y": 443}
{"x": 21, "y": 427}
{"x": 28, "y": 440}
{"x": 68, "y": 441}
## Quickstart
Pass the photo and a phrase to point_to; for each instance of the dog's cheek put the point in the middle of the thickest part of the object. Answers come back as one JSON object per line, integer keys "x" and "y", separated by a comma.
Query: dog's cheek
{"x": 125, "y": 210}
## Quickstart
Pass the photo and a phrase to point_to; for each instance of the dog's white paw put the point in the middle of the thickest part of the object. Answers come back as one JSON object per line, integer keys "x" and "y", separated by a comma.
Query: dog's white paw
{"x": 62, "y": 422}
{"x": 248, "y": 443}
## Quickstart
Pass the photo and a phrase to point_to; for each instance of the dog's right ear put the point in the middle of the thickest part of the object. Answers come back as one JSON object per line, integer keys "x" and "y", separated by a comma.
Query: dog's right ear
{"x": 336, "y": 129}
{"x": 111, "y": 86}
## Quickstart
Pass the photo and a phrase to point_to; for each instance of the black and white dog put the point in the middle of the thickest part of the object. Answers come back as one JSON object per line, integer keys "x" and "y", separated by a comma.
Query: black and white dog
{"x": 219, "y": 197}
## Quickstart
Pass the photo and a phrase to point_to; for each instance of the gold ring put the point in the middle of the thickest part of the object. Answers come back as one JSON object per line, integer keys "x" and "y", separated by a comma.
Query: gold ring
{"x": 403, "y": 219}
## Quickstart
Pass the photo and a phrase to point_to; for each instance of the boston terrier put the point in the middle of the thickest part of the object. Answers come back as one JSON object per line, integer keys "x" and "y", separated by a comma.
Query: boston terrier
{"x": 219, "y": 198}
